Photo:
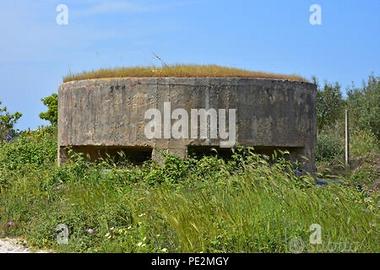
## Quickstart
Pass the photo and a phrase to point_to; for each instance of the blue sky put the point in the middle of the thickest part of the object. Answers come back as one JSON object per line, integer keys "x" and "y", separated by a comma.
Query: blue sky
{"x": 266, "y": 35}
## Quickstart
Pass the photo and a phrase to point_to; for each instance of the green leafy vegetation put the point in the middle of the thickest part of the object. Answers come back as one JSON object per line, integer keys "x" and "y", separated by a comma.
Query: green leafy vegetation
{"x": 329, "y": 147}
{"x": 7, "y": 122}
{"x": 363, "y": 105}
{"x": 51, "y": 114}
{"x": 330, "y": 105}
{"x": 247, "y": 204}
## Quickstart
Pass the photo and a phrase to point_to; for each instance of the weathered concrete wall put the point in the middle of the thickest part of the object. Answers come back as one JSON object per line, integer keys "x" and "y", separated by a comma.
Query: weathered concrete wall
{"x": 110, "y": 112}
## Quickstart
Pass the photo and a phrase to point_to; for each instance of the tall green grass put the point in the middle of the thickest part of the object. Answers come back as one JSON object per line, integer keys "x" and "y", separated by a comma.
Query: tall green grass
{"x": 248, "y": 204}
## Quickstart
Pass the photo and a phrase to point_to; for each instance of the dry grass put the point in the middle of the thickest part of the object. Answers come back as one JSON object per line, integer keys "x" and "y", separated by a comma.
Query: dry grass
{"x": 178, "y": 71}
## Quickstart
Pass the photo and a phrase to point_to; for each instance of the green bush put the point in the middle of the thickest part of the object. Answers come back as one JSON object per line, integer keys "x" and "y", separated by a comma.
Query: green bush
{"x": 36, "y": 148}
{"x": 363, "y": 144}
{"x": 51, "y": 115}
{"x": 364, "y": 106}
{"x": 7, "y": 123}
{"x": 329, "y": 147}
{"x": 364, "y": 176}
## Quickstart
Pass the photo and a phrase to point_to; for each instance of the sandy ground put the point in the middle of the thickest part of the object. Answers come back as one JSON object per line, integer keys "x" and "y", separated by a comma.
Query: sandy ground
{"x": 12, "y": 245}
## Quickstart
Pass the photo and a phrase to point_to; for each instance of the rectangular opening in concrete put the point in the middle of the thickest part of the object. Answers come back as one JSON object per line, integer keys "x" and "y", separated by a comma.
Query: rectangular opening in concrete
{"x": 117, "y": 154}
{"x": 226, "y": 153}
{"x": 198, "y": 151}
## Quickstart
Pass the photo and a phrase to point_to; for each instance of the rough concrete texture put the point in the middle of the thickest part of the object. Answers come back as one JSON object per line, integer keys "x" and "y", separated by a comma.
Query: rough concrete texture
{"x": 100, "y": 114}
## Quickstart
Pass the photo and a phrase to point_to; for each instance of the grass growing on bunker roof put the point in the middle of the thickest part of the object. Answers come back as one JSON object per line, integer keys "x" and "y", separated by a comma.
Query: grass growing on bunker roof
{"x": 177, "y": 71}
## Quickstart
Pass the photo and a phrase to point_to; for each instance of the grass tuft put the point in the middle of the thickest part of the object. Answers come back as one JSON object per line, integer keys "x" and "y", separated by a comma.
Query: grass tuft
{"x": 178, "y": 71}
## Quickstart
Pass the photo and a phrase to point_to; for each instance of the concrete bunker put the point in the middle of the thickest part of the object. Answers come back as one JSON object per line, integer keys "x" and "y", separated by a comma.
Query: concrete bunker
{"x": 104, "y": 116}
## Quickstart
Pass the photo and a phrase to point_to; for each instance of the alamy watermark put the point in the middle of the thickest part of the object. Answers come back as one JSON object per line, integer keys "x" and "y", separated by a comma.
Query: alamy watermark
{"x": 299, "y": 245}
{"x": 315, "y": 17}
{"x": 62, "y": 234}
{"x": 62, "y": 17}
{"x": 204, "y": 124}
